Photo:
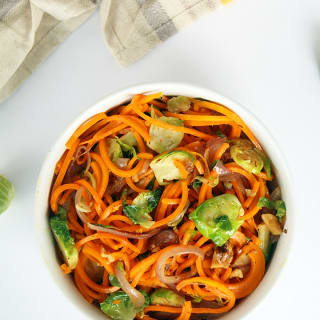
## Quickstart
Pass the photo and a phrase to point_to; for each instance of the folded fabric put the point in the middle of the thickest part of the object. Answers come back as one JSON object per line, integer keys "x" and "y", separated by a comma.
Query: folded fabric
{"x": 31, "y": 29}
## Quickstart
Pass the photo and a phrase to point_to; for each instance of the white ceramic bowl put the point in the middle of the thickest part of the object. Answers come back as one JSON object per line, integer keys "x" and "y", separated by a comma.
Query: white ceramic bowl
{"x": 44, "y": 236}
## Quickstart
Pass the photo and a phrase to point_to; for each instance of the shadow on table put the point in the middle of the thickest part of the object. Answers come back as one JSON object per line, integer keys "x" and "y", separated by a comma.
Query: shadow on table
{"x": 316, "y": 45}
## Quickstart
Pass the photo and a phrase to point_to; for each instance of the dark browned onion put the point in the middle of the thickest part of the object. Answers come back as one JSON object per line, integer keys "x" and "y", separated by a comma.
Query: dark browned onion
{"x": 226, "y": 175}
{"x": 212, "y": 146}
{"x": 162, "y": 239}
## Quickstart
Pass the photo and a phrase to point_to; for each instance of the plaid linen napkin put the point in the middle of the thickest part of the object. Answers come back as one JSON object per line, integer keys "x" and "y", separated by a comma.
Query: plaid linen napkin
{"x": 31, "y": 29}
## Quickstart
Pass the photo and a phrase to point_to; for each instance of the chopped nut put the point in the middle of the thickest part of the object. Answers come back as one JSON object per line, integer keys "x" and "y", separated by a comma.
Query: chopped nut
{"x": 272, "y": 223}
{"x": 241, "y": 261}
{"x": 236, "y": 273}
{"x": 222, "y": 256}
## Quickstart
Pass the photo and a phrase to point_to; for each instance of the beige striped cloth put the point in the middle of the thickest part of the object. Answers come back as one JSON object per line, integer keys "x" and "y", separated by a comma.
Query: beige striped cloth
{"x": 31, "y": 29}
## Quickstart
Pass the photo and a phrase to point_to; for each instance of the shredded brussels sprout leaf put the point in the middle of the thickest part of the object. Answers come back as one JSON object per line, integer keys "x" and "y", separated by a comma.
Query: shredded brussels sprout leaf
{"x": 164, "y": 168}
{"x": 141, "y": 206}
{"x": 165, "y": 139}
{"x": 59, "y": 227}
{"x": 179, "y": 104}
{"x": 118, "y": 306}
{"x": 278, "y": 205}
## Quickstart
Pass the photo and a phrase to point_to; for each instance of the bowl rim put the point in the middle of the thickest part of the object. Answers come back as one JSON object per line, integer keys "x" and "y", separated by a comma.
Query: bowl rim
{"x": 283, "y": 173}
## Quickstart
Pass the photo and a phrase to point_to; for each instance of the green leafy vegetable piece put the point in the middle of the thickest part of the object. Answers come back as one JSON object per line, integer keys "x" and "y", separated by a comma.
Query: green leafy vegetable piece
{"x": 179, "y": 104}
{"x": 198, "y": 180}
{"x": 141, "y": 206}
{"x": 118, "y": 306}
{"x": 224, "y": 223}
{"x": 128, "y": 151}
{"x": 104, "y": 226}
{"x": 246, "y": 156}
{"x": 129, "y": 139}
{"x": 165, "y": 139}
{"x": 113, "y": 280}
{"x": 213, "y": 164}
{"x": 217, "y": 218}
{"x": 6, "y": 193}
{"x": 196, "y": 298}
{"x": 59, "y": 227}
{"x": 166, "y": 297}
{"x": 266, "y": 162}
{"x": 220, "y": 134}
{"x": 196, "y": 184}
{"x": 114, "y": 149}
{"x": 278, "y": 205}
{"x": 267, "y": 166}
{"x": 164, "y": 168}
{"x": 271, "y": 250}
{"x": 143, "y": 255}
{"x": 151, "y": 184}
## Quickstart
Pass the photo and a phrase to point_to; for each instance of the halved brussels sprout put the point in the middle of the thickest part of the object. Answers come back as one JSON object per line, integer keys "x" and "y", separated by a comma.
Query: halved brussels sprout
{"x": 217, "y": 218}
{"x": 6, "y": 193}
{"x": 141, "y": 206}
{"x": 114, "y": 149}
{"x": 59, "y": 227}
{"x": 199, "y": 180}
{"x": 164, "y": 168}
{"x": 245, "y": 155}
{"x": 114, "y": 280}
{"x": 179, "y": 104}
{"x": 165, "y": 139}
{"x": 278, "y": 205}
{"x": 129, "y": 139}
{"x": 128, "y": 151}
{"x": 118, "y": 306}
{"x": 166, "y": 297}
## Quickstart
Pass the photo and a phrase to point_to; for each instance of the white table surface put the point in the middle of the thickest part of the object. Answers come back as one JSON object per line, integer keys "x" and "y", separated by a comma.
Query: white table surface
{"x": 264, "y": 54}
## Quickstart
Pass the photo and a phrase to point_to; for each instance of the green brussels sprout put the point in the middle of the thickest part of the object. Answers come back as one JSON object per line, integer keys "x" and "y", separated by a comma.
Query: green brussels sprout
{"x": 128, "y": 151}
{"x": 151, "y": 184}
{"x": 123, "y": 309}
{"x": 217, "y": 218}
{"x": 199, "y": 180}
{"x": 165, "y": 139}
{"x": 166, "y": 297}
{"x": 114, "y": 150}
{"x": 141, "y": 206}
{"x": 164, "y": 168}
{"x": 278, "y": 205}
{"x": 179, "y": 104}
{"x": 129, "y": 139}
{"x": 59, "y": 227}
{"x": 246, "y": 156}
{"x": 6, "y": 193}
